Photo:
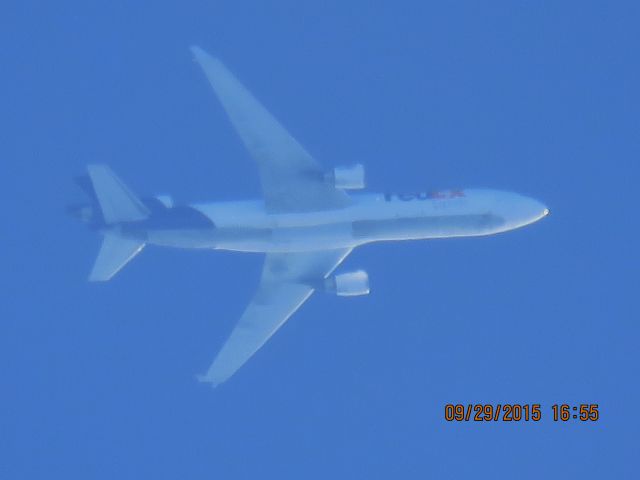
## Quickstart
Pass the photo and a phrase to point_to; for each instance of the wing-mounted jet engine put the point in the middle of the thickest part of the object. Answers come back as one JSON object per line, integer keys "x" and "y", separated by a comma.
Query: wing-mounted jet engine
{"x": 350, "y": 284}
{"x": 346, "y": 177}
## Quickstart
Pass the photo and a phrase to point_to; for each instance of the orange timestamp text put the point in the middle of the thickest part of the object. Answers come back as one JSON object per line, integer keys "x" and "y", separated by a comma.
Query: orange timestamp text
{"x": 517, "y": 412}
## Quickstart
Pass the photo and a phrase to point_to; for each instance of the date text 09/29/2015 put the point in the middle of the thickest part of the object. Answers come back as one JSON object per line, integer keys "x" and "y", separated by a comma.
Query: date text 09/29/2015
{"x": 520, "y": 412}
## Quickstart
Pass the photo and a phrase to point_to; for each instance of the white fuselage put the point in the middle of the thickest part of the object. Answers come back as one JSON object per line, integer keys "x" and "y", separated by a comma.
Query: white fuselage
{"x": 247, "y": 226}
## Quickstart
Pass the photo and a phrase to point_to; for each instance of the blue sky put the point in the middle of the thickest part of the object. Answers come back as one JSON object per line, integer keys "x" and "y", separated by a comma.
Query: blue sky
{"x": 535, "y": 97}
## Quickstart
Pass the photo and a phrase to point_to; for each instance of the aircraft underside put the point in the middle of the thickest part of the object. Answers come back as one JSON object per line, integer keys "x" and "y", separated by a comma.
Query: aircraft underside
{"x": 340, "y": 235}
{"x": 307, "y": 222}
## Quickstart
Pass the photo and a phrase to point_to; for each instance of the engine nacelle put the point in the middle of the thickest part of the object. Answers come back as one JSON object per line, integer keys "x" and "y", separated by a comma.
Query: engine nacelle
{"x": 349, "y": 284}
{"x": 166, "y": 200}
{"x": 349, "y": 178}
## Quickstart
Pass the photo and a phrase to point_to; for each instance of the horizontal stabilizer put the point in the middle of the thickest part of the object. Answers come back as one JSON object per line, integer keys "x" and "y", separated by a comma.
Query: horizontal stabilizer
{"x": 114, "y": 254}
{"x": 117, "y": 202}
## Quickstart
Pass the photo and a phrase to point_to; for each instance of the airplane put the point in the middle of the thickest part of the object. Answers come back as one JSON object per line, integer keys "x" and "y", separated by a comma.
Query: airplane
{"x": 308, "y": 221}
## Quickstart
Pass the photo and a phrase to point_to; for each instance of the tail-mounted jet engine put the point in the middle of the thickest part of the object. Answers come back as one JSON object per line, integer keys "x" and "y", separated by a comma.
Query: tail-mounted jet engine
{"x": 348, "y": 178}
{"x": 349, "y": 284}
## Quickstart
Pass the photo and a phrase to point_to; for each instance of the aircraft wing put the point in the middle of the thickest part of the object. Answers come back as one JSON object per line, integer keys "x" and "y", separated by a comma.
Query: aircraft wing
{"x": 292, "y": 181}
{"x": 288, "y": 280}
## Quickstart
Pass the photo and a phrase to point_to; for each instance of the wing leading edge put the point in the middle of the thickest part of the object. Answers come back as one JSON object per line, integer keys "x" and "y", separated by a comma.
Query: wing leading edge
{"x": 292, "y": 181}
{"x": 288, "y": 280}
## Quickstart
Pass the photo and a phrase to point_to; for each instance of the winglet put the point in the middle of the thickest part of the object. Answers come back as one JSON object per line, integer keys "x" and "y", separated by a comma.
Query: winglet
{"x": 204, "y": 378}
{"x": 198, "y": 53}
{"x": 204, "y": 59}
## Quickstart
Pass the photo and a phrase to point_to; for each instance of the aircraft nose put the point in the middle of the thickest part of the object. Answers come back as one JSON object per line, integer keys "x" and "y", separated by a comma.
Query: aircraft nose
{"x": 535, "y": 210}
{"x": 518, "y": 210}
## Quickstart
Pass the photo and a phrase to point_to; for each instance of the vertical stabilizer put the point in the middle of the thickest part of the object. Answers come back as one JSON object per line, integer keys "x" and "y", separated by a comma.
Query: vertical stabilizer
{"x": 114, "y": 254}
{"x": 117, "y": 202}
